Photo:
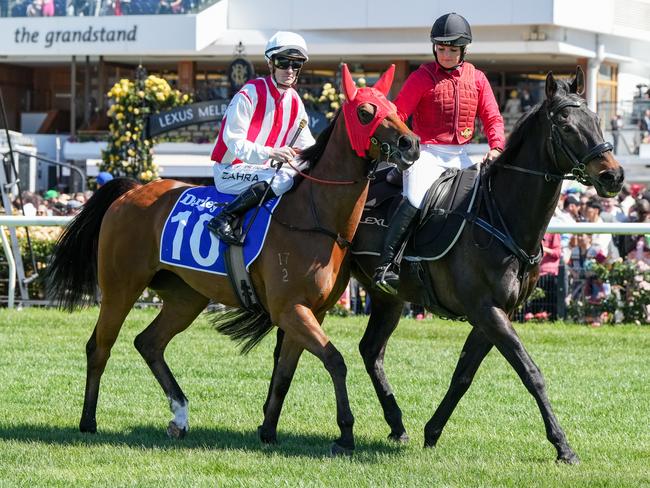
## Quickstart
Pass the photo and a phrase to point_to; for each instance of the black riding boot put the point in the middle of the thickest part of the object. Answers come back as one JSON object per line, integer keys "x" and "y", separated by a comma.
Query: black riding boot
{"x": 387, "y": 273}
{"x": 222, "y": 224}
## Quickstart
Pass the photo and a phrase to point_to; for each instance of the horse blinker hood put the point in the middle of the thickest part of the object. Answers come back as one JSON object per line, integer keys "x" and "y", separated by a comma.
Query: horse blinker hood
{"x": 358, "y": 133}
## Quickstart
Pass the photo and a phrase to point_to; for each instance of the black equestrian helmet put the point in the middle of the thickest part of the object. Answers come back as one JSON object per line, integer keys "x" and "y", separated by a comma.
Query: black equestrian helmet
{"x": 452, "y": 30}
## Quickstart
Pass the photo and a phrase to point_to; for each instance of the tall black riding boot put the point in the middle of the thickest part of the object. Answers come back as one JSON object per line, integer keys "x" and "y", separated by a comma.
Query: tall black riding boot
{"x": 222, "y": 224}
{"x": 387, "y": 273}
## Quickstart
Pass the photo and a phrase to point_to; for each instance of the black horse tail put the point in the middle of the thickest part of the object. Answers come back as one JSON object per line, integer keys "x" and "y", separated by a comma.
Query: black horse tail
{"x": 71, "y": 275}
{"x": 245, "y": 326}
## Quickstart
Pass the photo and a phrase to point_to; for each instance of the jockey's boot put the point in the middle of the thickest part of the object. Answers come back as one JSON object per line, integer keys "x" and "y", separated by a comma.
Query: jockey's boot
{"x": 222, "y": 224}
{"x": 387, "y": 273}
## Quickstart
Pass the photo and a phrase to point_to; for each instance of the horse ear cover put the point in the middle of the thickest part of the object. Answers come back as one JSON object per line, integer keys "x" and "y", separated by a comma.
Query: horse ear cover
{"x": 360, "y": 134}
{"x": 349, "y": 87}
{"x": 385, "y": 80}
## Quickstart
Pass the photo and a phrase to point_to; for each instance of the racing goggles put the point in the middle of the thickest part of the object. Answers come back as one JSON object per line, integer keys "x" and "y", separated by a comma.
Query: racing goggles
{"x": 286, "y": 63}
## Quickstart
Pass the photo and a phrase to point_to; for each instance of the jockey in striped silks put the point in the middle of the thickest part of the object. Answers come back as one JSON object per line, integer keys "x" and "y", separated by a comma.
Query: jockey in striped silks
{"x": 260, "y": 120}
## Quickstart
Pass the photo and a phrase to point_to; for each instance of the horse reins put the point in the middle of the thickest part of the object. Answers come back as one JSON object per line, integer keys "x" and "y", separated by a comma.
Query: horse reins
{"x": 385, "y": 154}
{"x": 384, "y": 150}
{"x": 577, "y": 173}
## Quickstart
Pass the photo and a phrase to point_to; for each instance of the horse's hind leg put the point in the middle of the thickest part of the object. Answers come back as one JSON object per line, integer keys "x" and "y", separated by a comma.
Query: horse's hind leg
{"x": 181, "y": 305}
{"x": 116, "y": 305}
{"x": 276, "y": 356}
{"x": 474, "y": 351}
{"x": 385, "y": 315}
{"x": 286, "y": 355}
{"x": 495, "y": 325}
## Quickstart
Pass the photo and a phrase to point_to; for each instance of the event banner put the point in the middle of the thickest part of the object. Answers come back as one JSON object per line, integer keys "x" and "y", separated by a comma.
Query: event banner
{"x": 196, "y": 113}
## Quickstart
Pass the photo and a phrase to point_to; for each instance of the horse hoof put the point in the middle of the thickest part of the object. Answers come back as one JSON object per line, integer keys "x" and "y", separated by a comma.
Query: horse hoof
{"x": 429, "y": 443}
{"x": 176, "y": 432}
{"x": 266, "y": 437}
{"x": 568, "y": 458}
{"x": 337, "y": 450}
{"x": 400, "y": 438}
{"x": 88, "y": 429}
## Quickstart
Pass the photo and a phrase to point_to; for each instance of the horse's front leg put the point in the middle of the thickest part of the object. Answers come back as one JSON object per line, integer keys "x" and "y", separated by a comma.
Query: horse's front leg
{"x": 302, "y": 331}
{"x": 497, "y": 328}
{"x": 474, "y": 351}
{"x": 385, "y": 315}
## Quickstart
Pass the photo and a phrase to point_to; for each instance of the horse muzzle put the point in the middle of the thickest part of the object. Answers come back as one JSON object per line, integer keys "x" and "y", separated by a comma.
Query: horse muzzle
{"x": 609, "y": 182}
{"x": 408, "y": 151}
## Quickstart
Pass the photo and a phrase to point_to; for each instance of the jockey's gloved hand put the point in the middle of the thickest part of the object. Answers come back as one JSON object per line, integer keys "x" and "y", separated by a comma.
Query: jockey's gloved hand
{"x": 492, "y": 155}
{"x": 282, "y": 154}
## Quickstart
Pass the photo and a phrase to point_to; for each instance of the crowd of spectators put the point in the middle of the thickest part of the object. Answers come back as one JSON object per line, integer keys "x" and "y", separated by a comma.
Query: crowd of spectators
{"x": 54, "y": 203}
{"x": 90, "y": 8}
{"x": 579, "y": 253}
{"x": 575, "y": 253}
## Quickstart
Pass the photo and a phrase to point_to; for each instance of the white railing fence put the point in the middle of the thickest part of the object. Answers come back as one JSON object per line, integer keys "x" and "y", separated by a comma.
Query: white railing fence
{"x": 20, "y": 221}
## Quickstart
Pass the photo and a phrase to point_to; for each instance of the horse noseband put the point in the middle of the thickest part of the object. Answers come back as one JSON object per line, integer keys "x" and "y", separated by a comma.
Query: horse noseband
{"x": 579, "y": 166}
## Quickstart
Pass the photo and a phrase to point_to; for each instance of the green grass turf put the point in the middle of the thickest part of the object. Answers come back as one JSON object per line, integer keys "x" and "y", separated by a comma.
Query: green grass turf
{"x": 597, "y": 381}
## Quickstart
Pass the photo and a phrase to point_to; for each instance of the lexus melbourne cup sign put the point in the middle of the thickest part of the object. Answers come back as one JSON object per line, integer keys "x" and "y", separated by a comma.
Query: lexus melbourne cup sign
{"x": 196, "y": 113}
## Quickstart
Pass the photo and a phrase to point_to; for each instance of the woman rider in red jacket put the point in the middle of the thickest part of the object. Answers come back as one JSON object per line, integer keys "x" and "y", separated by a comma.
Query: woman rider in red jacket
{"x": 443, "y": 97}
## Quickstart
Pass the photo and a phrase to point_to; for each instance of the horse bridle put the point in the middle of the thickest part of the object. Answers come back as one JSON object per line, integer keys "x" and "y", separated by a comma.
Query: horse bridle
{"x": 555, "y": 140}
{"x": 385, "y": 151}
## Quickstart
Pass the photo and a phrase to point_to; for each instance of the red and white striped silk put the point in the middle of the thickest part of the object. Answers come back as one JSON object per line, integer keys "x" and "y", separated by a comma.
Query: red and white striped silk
{"x": 259, "y": 118}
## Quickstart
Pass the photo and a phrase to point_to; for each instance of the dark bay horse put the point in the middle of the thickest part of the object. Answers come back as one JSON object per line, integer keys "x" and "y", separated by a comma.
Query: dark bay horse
{"x": 300, "y": 274}
{"x": 480, "y": 278}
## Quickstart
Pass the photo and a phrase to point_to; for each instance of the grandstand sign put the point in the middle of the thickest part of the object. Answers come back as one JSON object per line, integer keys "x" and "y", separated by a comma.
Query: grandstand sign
{"x": 137, "y": 35}
{"x": 196, "y": 113}
{"x": 53, "y": 38}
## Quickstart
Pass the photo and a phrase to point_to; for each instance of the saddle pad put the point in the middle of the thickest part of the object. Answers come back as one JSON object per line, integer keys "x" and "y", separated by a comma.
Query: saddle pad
{"x": 187, "y": 243}
{"x": 381, "y": 202}
{"x": 448, "y": 201}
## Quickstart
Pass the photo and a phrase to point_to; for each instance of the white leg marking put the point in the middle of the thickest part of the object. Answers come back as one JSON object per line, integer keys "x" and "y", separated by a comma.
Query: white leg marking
{"x": 181, "y": 414}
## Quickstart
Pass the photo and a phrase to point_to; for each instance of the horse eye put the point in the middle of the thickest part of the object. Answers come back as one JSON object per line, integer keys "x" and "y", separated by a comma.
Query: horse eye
{"x": 366, "y": 116}
{"x": 567, "y": 128}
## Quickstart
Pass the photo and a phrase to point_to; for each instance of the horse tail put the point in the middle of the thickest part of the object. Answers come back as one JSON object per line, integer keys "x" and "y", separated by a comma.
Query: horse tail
{"x": 71, "y": 275}
{"x": 247, "y": 327}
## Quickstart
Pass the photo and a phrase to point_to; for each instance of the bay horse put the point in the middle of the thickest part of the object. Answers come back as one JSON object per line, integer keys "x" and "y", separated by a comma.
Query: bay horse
{"x": 482, "y": 279}
{"x": 300, "y": 273}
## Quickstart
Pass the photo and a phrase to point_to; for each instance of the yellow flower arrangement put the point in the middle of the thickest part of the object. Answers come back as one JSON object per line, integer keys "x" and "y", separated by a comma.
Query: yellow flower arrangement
{"x": 129, "y": 152}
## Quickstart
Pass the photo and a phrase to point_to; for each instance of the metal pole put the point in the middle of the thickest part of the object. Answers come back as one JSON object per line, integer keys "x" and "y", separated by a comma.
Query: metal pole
{"x": 4, "y": 185}
{"x": 12, "y": 268}
{"x": 73, "y": 97}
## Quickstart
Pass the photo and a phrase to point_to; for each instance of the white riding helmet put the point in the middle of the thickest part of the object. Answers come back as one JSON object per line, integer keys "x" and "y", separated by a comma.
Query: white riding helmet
{"x": 289, "y": 43}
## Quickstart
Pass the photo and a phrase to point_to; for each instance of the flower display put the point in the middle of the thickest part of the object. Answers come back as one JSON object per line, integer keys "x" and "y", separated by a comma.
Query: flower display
{"x": 130, "y": 152}
{"x": 329, "y": 100}
{"x": 622, "y": 293}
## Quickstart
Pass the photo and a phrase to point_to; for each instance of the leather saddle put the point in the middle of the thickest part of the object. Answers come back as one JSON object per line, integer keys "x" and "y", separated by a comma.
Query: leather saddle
{"x": 442, "y": 219}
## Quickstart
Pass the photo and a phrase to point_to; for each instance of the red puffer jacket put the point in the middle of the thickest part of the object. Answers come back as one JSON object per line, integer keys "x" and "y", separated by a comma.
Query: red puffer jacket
{"x": 444, "y": 105}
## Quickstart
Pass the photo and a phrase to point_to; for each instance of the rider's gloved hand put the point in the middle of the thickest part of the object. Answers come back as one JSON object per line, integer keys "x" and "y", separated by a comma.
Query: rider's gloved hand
{"x": 492, "y": 155}
{"x": 282, "y": 154}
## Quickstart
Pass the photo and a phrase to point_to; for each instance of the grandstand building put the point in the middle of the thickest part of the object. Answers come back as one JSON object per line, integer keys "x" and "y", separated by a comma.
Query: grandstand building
{"x": 58, "y": 58}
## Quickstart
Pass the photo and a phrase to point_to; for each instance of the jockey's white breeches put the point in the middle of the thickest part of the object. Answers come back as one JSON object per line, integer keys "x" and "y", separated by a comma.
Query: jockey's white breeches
{"x": 235, "y": 178}
{"x": 434, "y": 160}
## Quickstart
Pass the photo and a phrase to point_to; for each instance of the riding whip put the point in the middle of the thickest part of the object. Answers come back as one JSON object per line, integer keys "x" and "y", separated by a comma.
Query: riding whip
{"x": 301, "y": 126}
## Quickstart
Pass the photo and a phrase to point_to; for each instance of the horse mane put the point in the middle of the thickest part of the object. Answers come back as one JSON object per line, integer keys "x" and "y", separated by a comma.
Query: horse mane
{"x": 313, "y": 153}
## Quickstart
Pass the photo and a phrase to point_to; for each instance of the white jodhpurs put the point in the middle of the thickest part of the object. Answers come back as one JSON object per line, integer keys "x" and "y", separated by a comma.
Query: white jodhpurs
{"x": 434, "y": 160}
{"x": 235, "y": 178}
